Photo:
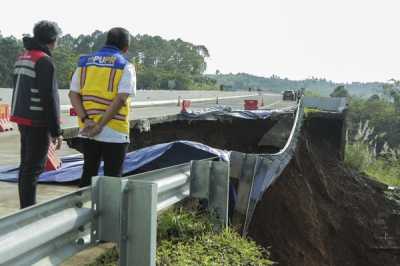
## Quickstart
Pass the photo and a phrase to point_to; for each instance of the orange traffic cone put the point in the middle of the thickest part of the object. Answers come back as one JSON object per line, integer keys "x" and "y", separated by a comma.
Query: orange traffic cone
{"x": 53, "y": 162}
{"x": 5, "y": 124}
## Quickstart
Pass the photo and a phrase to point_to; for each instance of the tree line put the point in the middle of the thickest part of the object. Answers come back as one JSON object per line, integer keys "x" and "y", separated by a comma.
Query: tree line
{"x": 373, "y": 137}
{"x": 160, "y": 63}
{"x": 320, "y": 86}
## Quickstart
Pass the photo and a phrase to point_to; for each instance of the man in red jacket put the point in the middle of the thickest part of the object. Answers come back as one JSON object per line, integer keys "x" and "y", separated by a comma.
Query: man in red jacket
{"x": 35, "y": 106}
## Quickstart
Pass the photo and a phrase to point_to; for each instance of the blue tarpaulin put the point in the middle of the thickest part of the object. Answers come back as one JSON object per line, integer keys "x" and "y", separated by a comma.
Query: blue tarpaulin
{"x": 146, "y": 159}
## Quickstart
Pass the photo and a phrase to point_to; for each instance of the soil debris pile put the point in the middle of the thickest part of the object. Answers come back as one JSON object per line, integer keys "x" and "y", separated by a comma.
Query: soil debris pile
{"x": 321, "y": 213}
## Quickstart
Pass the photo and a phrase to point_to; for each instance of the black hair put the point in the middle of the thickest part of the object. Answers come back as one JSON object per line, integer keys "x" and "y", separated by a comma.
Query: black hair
{"x": 118, "y": 37}
{"x": 46, "y": 31}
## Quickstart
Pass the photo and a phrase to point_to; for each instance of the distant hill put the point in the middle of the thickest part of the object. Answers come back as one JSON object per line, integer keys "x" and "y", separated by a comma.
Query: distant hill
{"x": 274, "y": 83}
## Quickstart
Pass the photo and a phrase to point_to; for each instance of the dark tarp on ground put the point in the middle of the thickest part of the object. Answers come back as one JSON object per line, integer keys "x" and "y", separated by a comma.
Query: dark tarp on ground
{"x": 227, "y": 112}
{"x": 146, "y": 159}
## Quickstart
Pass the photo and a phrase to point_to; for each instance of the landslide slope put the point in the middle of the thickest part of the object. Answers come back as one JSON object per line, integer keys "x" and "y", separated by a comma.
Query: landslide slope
{"x": 321, "y": 213}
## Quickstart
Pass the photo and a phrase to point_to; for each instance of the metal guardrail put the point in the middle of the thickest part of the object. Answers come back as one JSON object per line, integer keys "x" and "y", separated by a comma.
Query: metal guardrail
{"x": 256, "y": 172}
{"x": 141, "y": 104}
{"x": 120, "y": 210}
{"x": 48, "y": 233}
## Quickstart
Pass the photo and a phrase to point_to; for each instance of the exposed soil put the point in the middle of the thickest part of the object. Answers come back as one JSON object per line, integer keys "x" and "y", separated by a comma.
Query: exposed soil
{"x": 320, "y": 213}
{"x": 234, "y": 134}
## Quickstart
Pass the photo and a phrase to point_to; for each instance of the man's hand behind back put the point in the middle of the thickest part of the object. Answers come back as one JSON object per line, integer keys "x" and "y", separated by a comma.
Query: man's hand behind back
{"x": 89, "y": 125}
{"x": 57, "y": 141}
{"x": 95, "y": 130}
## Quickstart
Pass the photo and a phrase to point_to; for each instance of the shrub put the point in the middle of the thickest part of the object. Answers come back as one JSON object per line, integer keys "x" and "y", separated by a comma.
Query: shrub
{"x": 360, "y": 150}
{"x": 224, "y": 248}
{"x": 188, "y": 238}
{"x": 385, "y": 171}
{"x": 179, "y": 225}
{"x": 362, "y": 155}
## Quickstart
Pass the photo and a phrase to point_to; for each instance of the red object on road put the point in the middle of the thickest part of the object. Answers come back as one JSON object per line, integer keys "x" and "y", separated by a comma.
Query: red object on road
{"x": 250, "y": 105}
{"x": 185, "y": 104}
{"x": 53, "y": 162}
{"x": 5, "y": 124}
{"x": 72, "y": 112}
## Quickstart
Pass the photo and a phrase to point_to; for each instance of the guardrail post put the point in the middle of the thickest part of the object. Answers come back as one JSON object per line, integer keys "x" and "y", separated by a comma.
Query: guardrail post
{"x": 126, "y": 213}
{"x": 210, "y": 180}
{"x": 245, "y": 187}
{"x": 106, "y": 199}
{"x": 138, "y": 223}
{"x": 219, "y": 191}
{"x": 200, "y": 179}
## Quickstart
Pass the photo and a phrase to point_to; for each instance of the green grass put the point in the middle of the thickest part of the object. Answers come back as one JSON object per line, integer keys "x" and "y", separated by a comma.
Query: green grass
{"x": 359, "y": 156}
{"x": 362, "y": 155}
{"x": 179, "y": 225}
{"x": 224, "y": 248}
{"x": 388, "y": 173}
{"x": 187, "y": 238}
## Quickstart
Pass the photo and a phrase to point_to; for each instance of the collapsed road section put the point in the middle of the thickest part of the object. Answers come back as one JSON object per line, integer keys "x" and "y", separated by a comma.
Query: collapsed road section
{"x": 218, "y": 128}
{"x": 289, "y": 189}
{"x": 320, "y": 213}
{"x": 75, "y": 210}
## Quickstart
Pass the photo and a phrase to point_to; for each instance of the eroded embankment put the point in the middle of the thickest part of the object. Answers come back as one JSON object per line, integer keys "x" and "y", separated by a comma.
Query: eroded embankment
{"x": 230, "y": 134}
{"x": 320, "y": 213}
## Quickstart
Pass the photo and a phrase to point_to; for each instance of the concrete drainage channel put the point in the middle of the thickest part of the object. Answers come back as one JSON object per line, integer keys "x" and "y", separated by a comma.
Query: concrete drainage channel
{"x": 49, "y": 233}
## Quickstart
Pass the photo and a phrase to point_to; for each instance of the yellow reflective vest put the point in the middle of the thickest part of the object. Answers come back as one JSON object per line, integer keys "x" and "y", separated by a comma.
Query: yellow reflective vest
{"x": 100, "y": 74}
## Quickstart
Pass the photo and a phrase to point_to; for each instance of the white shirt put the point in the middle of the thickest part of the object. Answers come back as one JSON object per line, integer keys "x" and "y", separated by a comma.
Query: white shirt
{"x": 127, "y": 84}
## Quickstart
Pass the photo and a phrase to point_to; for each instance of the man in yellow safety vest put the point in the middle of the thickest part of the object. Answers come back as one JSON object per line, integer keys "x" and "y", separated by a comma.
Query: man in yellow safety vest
{"x": 100, "y": 91}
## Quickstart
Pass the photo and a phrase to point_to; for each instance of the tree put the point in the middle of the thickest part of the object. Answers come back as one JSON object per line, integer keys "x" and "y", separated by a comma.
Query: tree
{"x": 10, "y": 47}
{"x": 157, "y": 60}
{"x": 340, "y": 91}
{"x": 66, "y": 62}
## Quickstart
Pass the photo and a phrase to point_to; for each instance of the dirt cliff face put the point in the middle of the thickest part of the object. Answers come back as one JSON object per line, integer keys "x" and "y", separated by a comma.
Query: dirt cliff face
{"x": 320, "y": 213}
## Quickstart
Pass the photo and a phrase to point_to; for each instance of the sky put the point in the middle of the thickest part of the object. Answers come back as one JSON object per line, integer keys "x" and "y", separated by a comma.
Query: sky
{"x": 340, "y": 40}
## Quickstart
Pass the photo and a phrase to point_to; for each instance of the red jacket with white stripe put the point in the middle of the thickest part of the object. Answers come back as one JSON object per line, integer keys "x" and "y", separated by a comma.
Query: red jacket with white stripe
{"x": 35, "y": 99}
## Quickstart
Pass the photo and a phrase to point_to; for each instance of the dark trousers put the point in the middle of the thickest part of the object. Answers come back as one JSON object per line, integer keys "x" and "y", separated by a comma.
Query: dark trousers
{"x": 113, "y": 155}
{"x": 34, "y": 147}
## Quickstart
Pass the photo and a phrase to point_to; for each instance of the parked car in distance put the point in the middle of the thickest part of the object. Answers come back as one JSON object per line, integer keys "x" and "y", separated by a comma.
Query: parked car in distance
{"x": 289, "y": 95}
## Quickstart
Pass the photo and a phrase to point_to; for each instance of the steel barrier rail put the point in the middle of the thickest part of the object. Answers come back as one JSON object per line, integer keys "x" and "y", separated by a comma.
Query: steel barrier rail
{"x": 172, "y": 183}
{"x": 66, "y": 107}
{"x": 121, "y": 210}
{"x": 51, "y": 231}
{"x": 256, "y": 172}
{"x": 34, "y": 235}
{"x": 271, "y": 166}
{"x": 126, "y": 209}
